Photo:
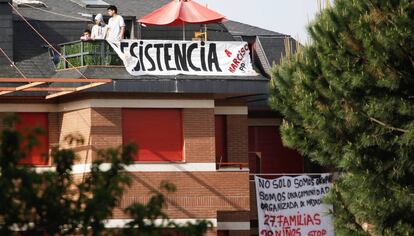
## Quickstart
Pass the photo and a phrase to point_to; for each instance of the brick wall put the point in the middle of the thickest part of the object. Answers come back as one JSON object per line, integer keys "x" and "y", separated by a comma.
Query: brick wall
{"x": 54, "y": 131}
{"x": 233, "y": 216}
{"x": 198, "y": 195}
{"x": 99, "y": 127}
{"x": 78, "y": 124}
{"x": 199, "y": 138}
{"x": 237, "y": 138}
{"x": 102, "y": 128}
{"x": 54, "y": 128}
{"x": 106, "y": 128}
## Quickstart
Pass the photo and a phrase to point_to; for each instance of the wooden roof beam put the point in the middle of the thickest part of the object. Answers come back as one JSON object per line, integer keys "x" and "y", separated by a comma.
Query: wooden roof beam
{"x": 33, "y": 82}
{"x": 40, "y": 89}
{"x": 20, "y": 88}
{"x": 76, "y": 89}
{"x": 53, "y": 80}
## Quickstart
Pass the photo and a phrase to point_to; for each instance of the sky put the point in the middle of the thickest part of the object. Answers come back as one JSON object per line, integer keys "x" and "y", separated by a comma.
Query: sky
{"x": 283, "y": 16}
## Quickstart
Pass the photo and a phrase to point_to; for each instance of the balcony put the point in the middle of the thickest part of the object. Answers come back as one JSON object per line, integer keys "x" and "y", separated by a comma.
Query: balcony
{"x": 85, "y": 53}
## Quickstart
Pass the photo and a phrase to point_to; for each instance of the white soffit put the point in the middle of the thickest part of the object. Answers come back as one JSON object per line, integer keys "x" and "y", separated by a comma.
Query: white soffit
{"x": 107, "y": 103}
{"x": 231, "y": 110}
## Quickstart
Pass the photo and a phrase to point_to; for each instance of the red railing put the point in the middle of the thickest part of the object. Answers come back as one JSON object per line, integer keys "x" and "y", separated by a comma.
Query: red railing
{"x": 254, "y": 163}
{"x": 240, "y": 165}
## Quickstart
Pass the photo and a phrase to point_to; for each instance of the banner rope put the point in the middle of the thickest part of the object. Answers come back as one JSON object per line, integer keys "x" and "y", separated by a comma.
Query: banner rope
{"x": 45, "y": 40}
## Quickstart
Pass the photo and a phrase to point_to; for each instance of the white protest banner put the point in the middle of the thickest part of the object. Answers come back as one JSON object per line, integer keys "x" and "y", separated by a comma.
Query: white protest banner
{"x": 165, "y": 57}
{"x": 292, "y": 206}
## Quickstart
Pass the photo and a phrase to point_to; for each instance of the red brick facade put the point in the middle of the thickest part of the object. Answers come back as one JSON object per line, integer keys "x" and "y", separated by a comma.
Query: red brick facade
{"x": 200, "y": 194}
{"x": 198, "y": 125}
{"x": 237, "y": 140}
{"x": 106, "y": 127}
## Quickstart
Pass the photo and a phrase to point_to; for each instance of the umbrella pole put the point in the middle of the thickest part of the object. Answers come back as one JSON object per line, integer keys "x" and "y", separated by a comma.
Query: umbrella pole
{"x": 183, "y": 31}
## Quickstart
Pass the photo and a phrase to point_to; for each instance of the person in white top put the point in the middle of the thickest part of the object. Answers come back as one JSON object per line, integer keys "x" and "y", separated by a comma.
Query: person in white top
{"x": 99, "y": 29}
{"x": 116, "y": 25}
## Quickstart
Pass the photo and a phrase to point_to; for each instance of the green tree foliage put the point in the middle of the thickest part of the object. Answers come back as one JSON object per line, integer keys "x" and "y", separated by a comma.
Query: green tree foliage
{"x": 348, "y": 103}
{"x": 54, "y": 203}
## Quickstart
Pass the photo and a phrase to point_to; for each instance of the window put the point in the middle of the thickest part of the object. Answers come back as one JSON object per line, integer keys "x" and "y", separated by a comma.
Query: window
{"x": 157, "y": 132}
{"x": 221, "y": 138}
{"x": 275, "y": 157}
{"x": 38, "y": 154}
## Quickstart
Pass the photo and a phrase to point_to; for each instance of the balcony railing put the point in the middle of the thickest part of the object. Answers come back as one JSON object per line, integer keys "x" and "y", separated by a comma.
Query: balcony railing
{"x": 86, "y": 53}
{"x": 225, "y": 166}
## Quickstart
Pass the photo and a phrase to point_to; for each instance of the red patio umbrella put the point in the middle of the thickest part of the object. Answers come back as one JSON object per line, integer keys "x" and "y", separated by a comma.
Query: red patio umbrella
{"x": 181, "y": 12}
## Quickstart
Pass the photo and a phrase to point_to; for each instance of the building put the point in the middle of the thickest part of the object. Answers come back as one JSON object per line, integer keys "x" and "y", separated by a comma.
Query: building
{"x": 200, "y": 132}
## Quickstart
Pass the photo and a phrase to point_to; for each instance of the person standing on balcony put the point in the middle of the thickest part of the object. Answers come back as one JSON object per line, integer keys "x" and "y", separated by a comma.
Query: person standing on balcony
{"x": 116, "y": 25}
{"x": 100, "y": 28}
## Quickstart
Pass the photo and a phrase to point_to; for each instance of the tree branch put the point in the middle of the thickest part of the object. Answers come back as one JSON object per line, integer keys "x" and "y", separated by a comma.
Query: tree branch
{"x": 386, "y": 125}
{"x": 345, "y": 207}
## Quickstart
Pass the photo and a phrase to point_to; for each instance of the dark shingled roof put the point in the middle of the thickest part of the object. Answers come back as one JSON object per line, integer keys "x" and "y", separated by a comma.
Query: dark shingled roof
{"x": 241, "y": 29}
{"x": 270, "y": 49}
{"x": 7, "y": 71}
{"x": 136, "y": 8}
{"x": 30, "y": 53}
{"x": 32, "y": 57}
